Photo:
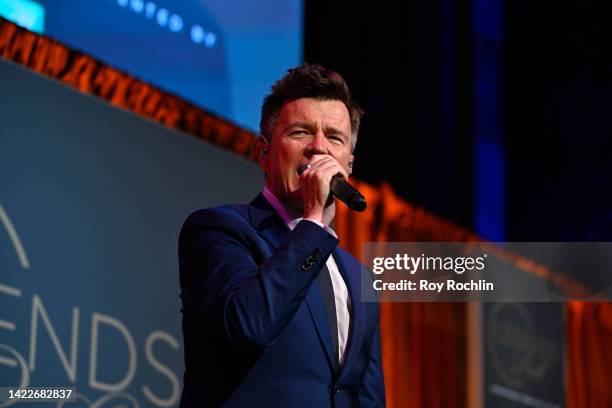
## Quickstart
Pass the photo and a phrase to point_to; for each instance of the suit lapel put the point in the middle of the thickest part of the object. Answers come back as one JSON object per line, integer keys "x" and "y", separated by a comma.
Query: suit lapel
{"x": 314, "y": 301}
{"x": 265, "y": 219}
{"x": 353, "y": 283}
{"x": 274, "y": 231}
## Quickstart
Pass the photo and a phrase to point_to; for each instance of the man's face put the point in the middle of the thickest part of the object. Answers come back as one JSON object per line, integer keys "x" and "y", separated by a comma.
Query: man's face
{"x": 305, "y": 127}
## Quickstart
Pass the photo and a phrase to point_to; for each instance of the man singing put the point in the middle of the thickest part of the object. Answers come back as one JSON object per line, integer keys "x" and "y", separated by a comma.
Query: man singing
{"x": 272, "y": 310}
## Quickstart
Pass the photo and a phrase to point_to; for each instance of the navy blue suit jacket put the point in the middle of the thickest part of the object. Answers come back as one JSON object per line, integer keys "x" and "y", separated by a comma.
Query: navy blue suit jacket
{"x": 255, "y": 327}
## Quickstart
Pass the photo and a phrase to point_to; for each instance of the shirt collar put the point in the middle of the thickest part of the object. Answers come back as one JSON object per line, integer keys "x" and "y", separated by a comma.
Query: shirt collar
{"x": 285, "y": 214}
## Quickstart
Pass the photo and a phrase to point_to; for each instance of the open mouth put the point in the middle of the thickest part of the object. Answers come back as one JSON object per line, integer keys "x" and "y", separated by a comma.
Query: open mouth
{"x": 302, "y": 168}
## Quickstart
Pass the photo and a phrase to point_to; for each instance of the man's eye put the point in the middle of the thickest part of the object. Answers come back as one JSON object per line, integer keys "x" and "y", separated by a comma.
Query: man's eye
{"x": 299, "y": 132}
{"x": 336, "y": 139}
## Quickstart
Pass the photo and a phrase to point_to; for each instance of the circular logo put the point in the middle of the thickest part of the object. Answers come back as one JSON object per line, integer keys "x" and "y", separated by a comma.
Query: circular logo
{"x": 517, "y": 352}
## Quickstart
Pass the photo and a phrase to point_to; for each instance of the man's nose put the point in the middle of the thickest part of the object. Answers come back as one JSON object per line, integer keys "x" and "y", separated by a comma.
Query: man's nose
{"x": 318, "y": 144}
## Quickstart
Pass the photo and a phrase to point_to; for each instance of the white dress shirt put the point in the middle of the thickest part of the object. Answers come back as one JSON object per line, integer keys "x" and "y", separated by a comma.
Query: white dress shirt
{"x": 341, "y": 295}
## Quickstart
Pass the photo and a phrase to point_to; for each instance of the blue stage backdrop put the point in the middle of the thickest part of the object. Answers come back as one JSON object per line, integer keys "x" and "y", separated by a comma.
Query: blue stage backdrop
{"x": 221, "y": 55}
{"x": 91, "y": 202}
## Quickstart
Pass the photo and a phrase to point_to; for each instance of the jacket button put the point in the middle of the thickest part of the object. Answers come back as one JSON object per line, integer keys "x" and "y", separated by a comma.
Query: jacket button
{"x": 337, "y": 389}
{"x": 317, "y": 252}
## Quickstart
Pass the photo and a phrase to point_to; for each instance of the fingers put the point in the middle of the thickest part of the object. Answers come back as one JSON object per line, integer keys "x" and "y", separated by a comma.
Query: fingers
{"x": 315, "y": 183}
{"x": 327, "y": 166}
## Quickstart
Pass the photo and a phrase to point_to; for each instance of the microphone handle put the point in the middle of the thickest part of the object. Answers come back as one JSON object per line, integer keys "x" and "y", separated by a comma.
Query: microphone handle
{"x": 348, "y": 194}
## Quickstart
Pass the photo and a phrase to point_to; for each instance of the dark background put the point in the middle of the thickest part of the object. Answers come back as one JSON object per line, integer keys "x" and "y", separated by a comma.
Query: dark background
{"x": 444, "y": 83}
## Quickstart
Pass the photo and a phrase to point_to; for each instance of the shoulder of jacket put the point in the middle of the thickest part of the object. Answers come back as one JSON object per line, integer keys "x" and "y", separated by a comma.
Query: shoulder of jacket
{"x": 224, "y": 216}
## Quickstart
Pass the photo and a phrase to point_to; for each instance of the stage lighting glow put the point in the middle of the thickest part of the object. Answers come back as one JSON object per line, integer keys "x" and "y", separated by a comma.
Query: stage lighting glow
{"x": 25, "y": 13}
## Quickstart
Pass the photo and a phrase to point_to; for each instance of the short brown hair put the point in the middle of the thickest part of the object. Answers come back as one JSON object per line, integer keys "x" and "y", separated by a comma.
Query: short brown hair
{"x": 308, "y": 81}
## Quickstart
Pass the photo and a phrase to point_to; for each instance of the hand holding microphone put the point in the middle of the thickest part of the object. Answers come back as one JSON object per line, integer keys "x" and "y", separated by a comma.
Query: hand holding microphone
{"x": 338, "y": 186}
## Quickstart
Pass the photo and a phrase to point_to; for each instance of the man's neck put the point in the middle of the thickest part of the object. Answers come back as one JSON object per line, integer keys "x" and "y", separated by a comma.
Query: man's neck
{"x": 292, "y": 211}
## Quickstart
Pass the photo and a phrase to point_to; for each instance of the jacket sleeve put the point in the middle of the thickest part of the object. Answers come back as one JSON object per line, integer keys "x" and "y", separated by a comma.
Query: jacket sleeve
{"x": 243, "y": 298}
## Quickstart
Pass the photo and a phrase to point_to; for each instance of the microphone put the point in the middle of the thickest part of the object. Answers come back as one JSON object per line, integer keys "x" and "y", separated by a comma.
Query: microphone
{"x": 343, "y": 190}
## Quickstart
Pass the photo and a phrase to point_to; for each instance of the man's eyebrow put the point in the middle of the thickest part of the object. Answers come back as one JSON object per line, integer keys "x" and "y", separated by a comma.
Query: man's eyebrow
{"x": 304, "y": 125}
{"x": 310, "y": 126}
{"x": 331, "y": 129}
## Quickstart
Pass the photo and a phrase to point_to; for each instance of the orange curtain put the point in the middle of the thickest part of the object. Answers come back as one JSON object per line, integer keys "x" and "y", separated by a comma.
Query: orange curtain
{"x": 423, "y": 343}
{"x": 589, "y": 357}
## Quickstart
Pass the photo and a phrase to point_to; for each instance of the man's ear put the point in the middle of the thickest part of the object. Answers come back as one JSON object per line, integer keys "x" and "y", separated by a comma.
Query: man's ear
{"x": 260, "y": 151}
